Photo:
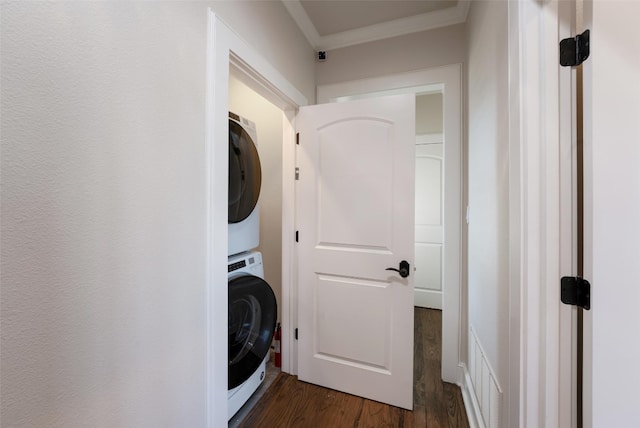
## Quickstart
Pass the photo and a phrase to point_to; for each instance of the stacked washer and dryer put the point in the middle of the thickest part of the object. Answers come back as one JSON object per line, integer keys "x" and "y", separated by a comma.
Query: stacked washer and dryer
{"x": 252, "y": 304}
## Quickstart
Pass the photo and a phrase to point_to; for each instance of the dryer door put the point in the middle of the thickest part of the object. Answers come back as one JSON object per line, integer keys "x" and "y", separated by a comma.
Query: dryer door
{"x": 245, "y": 175}
{"x": 252, "y": 321}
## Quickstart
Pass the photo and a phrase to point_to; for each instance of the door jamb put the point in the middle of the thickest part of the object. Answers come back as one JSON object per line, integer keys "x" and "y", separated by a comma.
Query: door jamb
{"x": 540, "y": 216}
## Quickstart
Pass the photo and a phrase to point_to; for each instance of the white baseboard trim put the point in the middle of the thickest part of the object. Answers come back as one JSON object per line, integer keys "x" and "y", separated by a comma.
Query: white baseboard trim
{"x": 471, "y": 405}
{"x": 427, "y": 298}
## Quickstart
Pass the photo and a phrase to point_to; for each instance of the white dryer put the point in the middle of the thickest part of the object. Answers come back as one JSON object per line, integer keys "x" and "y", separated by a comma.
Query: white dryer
{"x": 245, "y": 181}
{"x": 252, "y": 321}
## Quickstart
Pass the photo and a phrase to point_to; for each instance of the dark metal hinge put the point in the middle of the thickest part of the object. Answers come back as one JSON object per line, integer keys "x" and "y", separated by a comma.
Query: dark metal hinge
{"x": 297, "y": 236}
{"x": 297, "y": 173}
{"x": 297, "y": 138}
{"x": 296, "y": 333}
{"x": 574, "y": 51}
{"x": 575, "y": 291}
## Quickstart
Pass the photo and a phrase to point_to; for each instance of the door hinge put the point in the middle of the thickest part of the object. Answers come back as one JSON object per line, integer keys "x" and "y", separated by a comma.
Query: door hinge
{"x": 296, "y": 334}
{"x": 297, "y": 173}
{"x": 574, "y": 50}
{"x": 297, "y": 138}
{"x": 575, "y": 291}
{"x": 297, "y": 236}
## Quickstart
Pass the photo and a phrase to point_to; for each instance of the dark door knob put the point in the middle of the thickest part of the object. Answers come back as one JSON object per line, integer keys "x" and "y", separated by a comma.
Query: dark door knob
{"x": 403, "y": 269}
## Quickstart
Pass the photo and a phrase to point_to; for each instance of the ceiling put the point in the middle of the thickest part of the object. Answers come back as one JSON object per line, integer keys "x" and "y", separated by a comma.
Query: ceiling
{"x": 331, "y": 24}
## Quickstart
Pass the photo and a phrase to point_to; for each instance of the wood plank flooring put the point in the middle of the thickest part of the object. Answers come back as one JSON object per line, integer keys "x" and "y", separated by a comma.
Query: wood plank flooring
{"x": 290, "y": 403}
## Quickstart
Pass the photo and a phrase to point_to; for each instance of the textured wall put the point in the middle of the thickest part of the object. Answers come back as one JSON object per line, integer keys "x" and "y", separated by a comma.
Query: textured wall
{"x": 488, "y": 185}
{"x": 103, "y": 252}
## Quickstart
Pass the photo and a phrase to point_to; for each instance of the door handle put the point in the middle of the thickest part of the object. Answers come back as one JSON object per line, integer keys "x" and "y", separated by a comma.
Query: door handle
{"x": 404, "y": 269}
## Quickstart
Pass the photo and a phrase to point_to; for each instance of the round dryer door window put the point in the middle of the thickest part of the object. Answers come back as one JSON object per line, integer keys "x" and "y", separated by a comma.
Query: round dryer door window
{"x": 252, "y": 322}
{"x": 245, "y": 175}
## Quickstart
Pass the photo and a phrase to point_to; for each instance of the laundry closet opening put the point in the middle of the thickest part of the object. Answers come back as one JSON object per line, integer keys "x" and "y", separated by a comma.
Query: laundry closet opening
{"x": 260, "y": 124}
{"x": 267, "y": 118}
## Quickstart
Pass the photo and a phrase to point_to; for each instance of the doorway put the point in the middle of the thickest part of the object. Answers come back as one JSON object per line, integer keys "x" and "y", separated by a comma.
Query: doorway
{"x": 446, "y": 81}
{"x": 429, "y": 219}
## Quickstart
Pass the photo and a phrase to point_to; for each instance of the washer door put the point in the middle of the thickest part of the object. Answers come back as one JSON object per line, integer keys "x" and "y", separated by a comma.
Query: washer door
{"x": 245, "y": 175}
{"x": 252, "y": 321}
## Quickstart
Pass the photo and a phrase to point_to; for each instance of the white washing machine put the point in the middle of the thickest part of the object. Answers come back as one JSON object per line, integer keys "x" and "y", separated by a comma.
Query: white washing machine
{"x": 245, "y": 181}
{"x": 252, "y": 321}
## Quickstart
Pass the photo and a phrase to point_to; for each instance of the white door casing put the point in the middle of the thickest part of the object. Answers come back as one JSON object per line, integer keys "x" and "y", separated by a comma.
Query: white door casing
{"x": 355, "y": 211}
{"x": 429, "y": 226}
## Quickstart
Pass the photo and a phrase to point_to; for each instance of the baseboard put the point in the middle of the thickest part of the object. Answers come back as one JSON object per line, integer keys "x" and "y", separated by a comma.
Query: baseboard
{"x": 471, "y": 404}
{"x": 427, "y": 298}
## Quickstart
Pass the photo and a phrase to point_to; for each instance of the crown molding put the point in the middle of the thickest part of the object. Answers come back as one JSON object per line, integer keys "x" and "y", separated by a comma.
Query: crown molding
{"x": 299, "y": 15}
{"x": 384, "y": 30}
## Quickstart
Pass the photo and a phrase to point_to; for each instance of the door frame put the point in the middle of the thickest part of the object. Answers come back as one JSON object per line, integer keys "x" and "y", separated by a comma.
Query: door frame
{"x": 541, "y": 216}
{"x": 447, "y": 79}
{"x": 226, "y": 53}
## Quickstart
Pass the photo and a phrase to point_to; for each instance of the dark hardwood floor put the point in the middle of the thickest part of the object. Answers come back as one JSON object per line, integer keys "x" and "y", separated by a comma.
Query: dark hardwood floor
{"x": 291, "y": 403}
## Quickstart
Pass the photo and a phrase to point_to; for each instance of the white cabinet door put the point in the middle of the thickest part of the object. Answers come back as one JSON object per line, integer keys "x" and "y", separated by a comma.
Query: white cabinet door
{"x": 355, "y": 210}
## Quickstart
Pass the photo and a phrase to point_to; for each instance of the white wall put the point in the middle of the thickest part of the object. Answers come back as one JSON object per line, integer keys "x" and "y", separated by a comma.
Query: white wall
{"x": 427, "y": 49}
{"x": 268, "y": 119}
{"x": 269, "y": 29}
{"x": 103, "y": 304}
{"x": 488, "y": 193}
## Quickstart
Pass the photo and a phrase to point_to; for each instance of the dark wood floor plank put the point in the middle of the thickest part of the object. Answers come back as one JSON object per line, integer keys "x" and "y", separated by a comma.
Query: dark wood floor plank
{"x": 290, "y": 403}
{"x": 456, "y": 415}
{"x": 378, "y": 415}
{"x": 434, "y": 396}
{"x": 333, "y": 408}
{"x": 419, "y": 397}
{"x": 419, "y": 416}
{"x": 278, "y": 406}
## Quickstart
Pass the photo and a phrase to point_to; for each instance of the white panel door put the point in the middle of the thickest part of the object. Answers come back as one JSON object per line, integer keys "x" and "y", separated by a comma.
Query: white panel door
{"x": 355, "y": 209}
{"x": 429, "y": 226}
